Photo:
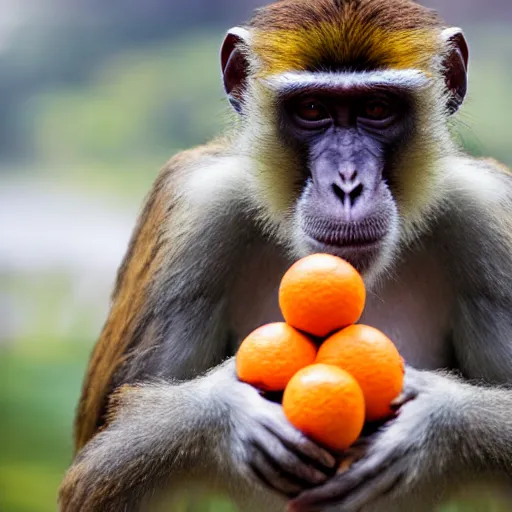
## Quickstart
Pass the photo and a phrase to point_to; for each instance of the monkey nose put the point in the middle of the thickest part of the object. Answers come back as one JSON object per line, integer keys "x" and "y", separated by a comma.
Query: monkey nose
{"x": 348, "y": 192}
{"x": 348, "y": 174}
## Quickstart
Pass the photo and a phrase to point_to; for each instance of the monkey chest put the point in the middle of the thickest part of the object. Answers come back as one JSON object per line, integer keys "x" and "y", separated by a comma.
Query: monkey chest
{"x": 414, "y": 309}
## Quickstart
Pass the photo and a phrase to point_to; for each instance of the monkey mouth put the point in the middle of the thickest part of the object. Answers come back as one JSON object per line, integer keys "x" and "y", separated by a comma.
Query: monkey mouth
{"x": 360, "y": 243}
{"x": 366, "y": 234}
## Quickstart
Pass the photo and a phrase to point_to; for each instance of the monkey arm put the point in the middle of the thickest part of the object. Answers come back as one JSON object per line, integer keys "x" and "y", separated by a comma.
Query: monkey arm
{"x": 213, "y": 429}
{"x": 154, "y": 432}
{"x": 483, "y": 346}
{"x": 450, "y": 434}
{"x": 486, "y": 418}
{"x": 451, "y": 431}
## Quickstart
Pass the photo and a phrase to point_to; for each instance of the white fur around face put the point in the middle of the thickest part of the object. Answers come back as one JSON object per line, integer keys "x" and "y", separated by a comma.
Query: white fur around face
{"x": 292, "y": 81}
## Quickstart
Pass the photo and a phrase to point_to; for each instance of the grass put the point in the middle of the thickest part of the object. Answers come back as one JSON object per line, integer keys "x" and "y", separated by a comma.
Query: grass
{"x": 37, "y": 400}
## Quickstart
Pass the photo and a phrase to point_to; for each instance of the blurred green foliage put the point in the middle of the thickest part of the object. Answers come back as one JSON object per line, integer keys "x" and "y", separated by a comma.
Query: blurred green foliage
{"x": 107, "y": 130}
{"x": 140, "y": 103}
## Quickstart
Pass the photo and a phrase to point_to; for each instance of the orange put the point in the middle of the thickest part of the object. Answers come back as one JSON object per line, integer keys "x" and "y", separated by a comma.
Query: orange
{"x": 327, "y": 404}
{"x": 321, "y": 293}
{"x": 373, "y": 360}
{"x": 270, "y": 356}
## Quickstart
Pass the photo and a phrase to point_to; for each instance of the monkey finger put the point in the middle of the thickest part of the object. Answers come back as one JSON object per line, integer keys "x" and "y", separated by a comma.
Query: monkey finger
{"x": 371, "y": 491}
{"x": 349, "y": 499}
{"x": 264, "y": 471}
{"x": 403, "y": 398}
{"x": 288, "y": 462}
{"x": 315, "y": 499}
{"x": 410, "y": 390}
{"x": 300, "y": 444}
{"x": 365, "y": 480}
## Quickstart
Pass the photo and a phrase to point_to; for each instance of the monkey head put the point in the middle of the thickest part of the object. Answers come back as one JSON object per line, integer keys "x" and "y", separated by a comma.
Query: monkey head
{"x": 344, "y": 108}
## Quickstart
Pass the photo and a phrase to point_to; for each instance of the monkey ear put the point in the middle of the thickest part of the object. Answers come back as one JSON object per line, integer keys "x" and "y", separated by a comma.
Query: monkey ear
{"x": 235, "y": 66}
{"x": 455, "y": 67}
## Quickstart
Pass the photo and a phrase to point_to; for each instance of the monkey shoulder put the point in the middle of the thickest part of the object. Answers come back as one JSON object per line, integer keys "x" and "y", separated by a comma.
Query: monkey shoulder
{"x": 473, "y": 231}
{"x": 195, "y": 194}
{"x": 186, "y": 162}
{"x": 478, "y": 192}
{"x": 208, "y": 180}
{"x": 494, "y": 165}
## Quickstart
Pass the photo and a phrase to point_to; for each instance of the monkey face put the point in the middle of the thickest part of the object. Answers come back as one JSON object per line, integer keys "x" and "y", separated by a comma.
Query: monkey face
{"x": 349, "y": 139}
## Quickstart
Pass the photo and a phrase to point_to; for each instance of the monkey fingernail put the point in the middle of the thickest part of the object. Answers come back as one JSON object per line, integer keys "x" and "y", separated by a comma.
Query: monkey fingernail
{"x": 327, "y": 460}
{"x": 318, "y": 477}
{"x": 402, "y": 400}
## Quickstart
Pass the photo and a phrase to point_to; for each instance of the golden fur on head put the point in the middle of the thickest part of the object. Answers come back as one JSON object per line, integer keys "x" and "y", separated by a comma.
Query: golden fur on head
{"x": 311, "y": 35}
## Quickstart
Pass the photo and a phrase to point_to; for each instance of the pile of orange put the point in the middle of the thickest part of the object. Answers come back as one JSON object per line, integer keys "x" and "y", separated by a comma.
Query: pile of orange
{"x": 335, "y": 374}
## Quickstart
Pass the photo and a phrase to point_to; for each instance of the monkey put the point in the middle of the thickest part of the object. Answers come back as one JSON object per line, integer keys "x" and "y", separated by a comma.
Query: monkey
{"x": 342, "y": 142}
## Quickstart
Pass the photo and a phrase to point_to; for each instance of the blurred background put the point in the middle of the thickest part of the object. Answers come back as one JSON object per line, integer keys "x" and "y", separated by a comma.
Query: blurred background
{"x": 94, "y": 97}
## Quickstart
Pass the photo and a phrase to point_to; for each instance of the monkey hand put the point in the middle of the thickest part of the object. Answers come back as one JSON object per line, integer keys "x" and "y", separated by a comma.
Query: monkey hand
{"x": 266, "y": 447}
{"x": 400, "y": 458}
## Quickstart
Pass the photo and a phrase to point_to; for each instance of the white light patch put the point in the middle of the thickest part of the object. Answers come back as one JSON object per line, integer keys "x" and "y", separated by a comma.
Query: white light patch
{"x": 290, "y": 82}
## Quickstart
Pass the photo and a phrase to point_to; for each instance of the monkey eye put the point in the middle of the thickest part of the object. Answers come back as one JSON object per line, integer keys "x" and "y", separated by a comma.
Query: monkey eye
{"x": 311, "y": 113}
{"x": 376, "y": 110}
